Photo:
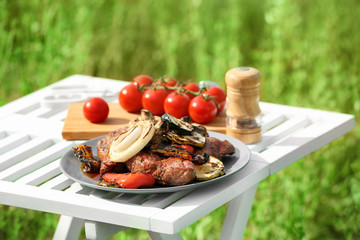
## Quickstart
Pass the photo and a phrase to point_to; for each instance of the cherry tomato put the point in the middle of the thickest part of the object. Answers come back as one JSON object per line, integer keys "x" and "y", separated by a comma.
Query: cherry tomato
{"x": 201, "y": 110}
{"x": 177, "y": 104}
{"x": 96, "y": 110}
{"x": 153, "y": 100}
{"x": 191, "y": 87}
{"x": 168, "y": 82}
{"x": 143, "y": 80}
{"x": 130, "y": 98}
{"x": 220, "y": 97}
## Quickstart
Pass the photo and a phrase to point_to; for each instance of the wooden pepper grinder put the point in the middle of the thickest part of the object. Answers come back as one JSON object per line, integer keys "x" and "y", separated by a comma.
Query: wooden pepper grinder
{"x": 243, "y": 111}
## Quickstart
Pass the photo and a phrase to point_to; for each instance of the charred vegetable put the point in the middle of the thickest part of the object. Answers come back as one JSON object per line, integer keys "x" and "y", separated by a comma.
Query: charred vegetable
{"x": 171, "y": 151}
{"x": 186, "y": 119}
{"x": 212, "y": 169}
{"x": 102, "y": 182}
{"x": 201, "y": 159}
{"x": 195, "y": 138}
{"x": 90, "y": 165}
{"x": 82, "y": 151}
{"x": 128, "y": 180}
{"x": 177, "y": 125}
{"x": 200, "y": 129}
{"x": 146, "y": 115}
{"x": 84, "y": 154}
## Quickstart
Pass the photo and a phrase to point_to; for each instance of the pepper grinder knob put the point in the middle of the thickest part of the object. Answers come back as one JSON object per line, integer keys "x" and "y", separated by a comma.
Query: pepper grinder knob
{"x": 243, "y": 111}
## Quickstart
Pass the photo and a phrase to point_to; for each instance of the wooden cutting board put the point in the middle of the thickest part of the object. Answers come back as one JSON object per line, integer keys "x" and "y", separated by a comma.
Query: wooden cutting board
{"x": 76, "y": 127}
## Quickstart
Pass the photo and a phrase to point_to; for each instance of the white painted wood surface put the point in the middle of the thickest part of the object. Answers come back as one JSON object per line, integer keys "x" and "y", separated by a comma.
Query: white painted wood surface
{"x": 30, "y": 176}
{"x": 238, "y": 211}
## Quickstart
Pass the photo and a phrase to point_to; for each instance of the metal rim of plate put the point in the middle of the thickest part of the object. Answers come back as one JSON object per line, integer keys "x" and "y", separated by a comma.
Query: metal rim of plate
{"x": 70, "y": 166}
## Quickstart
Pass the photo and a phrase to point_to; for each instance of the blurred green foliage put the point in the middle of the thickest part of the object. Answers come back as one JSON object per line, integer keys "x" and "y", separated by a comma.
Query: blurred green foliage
{"x": 307, "y": 51}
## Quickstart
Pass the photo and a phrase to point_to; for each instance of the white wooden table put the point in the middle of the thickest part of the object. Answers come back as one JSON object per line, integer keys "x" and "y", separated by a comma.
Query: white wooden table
{"x": 31, "y": 147}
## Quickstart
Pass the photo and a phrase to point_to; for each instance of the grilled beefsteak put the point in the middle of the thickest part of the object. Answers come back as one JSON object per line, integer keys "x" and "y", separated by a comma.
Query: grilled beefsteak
{"x": 103, "y": 147}
{"x": 216, "y": 148}
{"x": 144, "y": 162}
{"x": 169, "y": 171}
{"x": 174, "y": 172}
{"x": 114, "y": 167}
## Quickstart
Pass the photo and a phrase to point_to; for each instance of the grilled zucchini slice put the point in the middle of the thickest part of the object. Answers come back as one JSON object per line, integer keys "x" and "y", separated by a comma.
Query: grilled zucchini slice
{"x": 177, "y": 125}
{"x": 195, "y": 139}
{"x": 212, "y": 169}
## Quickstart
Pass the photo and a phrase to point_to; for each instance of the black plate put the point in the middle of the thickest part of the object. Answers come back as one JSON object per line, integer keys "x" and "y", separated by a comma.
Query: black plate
{"x": 70, "y": 166}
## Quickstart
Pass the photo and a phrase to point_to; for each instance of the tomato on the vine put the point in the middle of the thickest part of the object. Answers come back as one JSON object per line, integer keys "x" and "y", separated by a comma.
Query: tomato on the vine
{"x": 201, "y": 110}
{"x": 153, "y": 100}
{"x": 96, "y": 110}
{"x": 191, "y": 87}
{"x": 168, "y": 82}
{"x": 220, "y": 97}
{"x": 143, "y": 80}
{"x": 130, "y": 98}
{"x": 177, "y": 104}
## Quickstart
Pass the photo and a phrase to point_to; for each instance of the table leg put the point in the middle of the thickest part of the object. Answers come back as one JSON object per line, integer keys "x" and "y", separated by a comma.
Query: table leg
{"x": 68, "y": 228}
{"x": 98, "y": 230}
{"x": 162, "y": 236}
{"x": 237, "y": 215}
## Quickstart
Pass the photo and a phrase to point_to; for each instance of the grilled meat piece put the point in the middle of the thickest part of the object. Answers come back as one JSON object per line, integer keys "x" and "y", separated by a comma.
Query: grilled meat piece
{"x": 216, "y": 148}
{"x": 174, "y": 172}
{"x": 144, "y": 162}
{"x": 103, "y": 145}
{"x": 110, "y": 166}
{"x": 169, "y": 171}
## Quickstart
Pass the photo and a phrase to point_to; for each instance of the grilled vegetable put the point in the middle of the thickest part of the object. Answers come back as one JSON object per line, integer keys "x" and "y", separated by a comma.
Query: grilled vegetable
{"x": 177, "y": 125}
{"x": 102, "y": 182}
{"x": 129, "y": 143}
{"x": 171, "y": 151}
{"x": 148, "y": 115}
{"x": 186, "y": 119}
{"x": 129, "y": 180}
{"x": 187, "y": 147}
{"x": 200, "y": 129}
{"x": 90, "y": 165}
{"x": 145, "y": 115}
{"x": 212, "y": 169}
{"x": 82, "y": 151}
{"x": 200, "y": 159}
{"x": 195, "y": 139}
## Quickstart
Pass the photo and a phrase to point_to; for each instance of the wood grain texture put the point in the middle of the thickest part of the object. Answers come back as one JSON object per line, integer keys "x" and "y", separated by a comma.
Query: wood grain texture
{"x": 242, "y": 85}
{"x": 76, "y": 127}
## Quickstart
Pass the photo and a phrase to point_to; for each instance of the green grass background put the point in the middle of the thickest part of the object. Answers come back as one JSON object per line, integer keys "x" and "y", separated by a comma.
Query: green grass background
{"x": 307, "y": 51}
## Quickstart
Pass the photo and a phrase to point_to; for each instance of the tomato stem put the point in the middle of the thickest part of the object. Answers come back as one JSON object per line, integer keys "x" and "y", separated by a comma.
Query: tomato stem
{"x": 207, "y": 97}
{"x": 179, "y": 89}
